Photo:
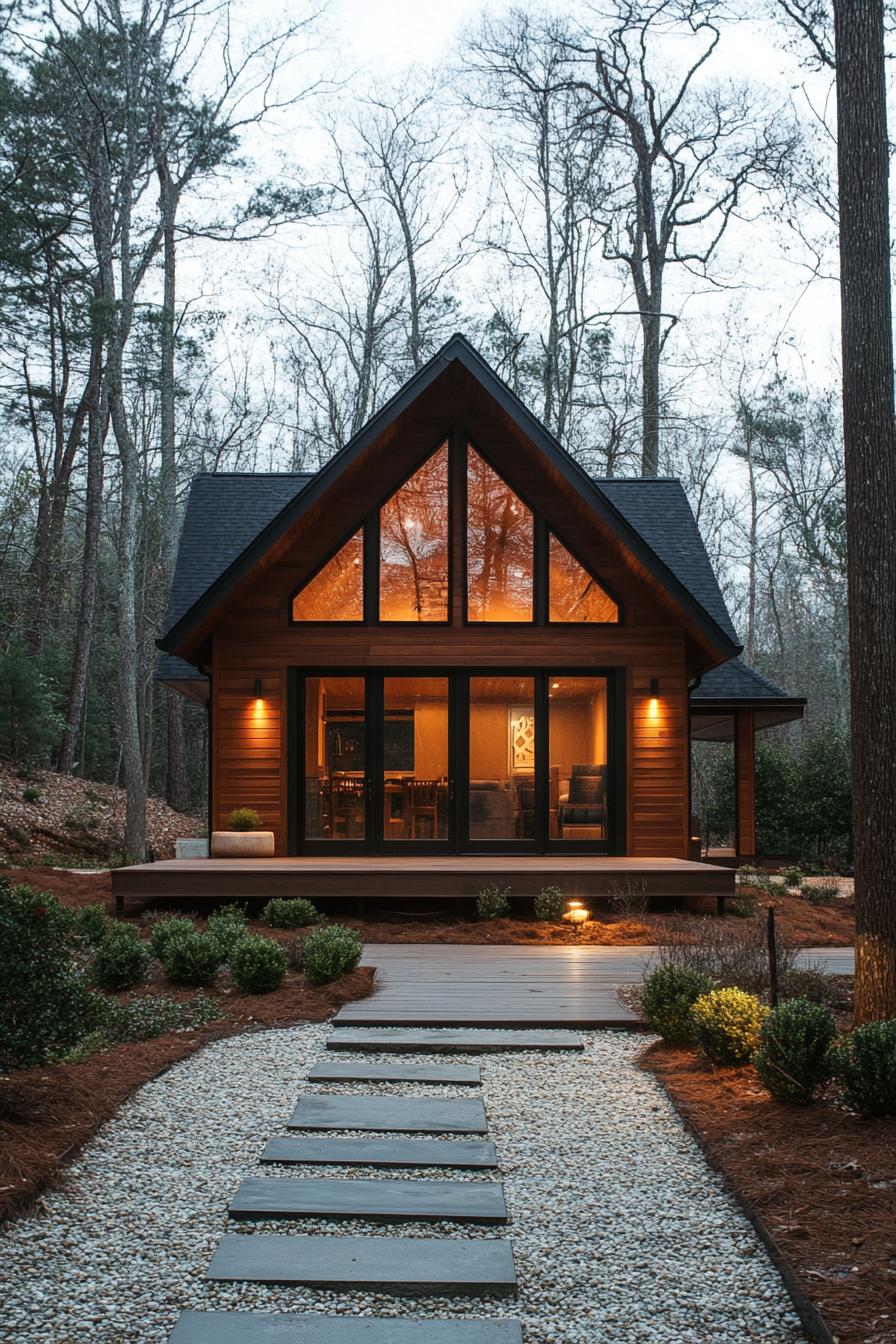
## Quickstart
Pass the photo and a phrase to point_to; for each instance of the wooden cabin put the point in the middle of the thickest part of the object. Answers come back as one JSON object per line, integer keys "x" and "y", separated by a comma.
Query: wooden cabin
{"x": 451, "y": 651}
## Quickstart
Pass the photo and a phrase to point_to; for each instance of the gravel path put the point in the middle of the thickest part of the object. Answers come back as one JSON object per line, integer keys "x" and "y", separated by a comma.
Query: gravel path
{"x": 620, "y": 1231}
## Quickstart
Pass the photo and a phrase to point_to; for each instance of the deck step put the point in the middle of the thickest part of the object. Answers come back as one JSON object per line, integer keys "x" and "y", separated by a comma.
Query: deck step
{"x": 361, "y": 1071}
{"x": 456, "y": 1042}
{"x": 263, "y": 1327}
{"x": 381, "y": 1152}
{"x": 408, "y": 1115}
{"x": 393, "y": 1199}
{"x": 405, "y": 1264}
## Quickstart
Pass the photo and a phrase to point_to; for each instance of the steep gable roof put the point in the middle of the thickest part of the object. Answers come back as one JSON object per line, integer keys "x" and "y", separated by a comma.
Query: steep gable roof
{"x": 662, "y": 537}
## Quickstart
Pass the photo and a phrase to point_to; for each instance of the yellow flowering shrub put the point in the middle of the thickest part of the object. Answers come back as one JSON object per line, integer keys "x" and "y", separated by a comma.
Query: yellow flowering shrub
{"x": 727, "y": 1023}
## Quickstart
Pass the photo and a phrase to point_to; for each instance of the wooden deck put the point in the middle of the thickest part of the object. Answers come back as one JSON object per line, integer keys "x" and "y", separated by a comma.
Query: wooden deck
{"x": 454, "y": 985}
{"x": 422, "y": 878}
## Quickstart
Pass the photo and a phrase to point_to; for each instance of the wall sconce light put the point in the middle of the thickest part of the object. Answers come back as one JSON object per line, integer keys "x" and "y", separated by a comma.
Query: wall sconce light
{"x": 257, "y": 688}
{"x": 654, "y": 687}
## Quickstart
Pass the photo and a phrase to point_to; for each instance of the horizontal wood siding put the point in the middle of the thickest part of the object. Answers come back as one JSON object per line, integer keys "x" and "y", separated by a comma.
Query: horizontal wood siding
{"x": 658, "y": 758}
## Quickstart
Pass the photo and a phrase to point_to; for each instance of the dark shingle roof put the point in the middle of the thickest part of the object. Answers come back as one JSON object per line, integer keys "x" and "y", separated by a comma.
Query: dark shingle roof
{"x": 226, "y": 512}
{"x": 658, "y": 509}
{"x": 735, "y": 680}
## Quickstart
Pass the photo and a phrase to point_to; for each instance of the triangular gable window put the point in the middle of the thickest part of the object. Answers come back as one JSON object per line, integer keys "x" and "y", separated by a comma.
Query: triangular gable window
{"x": 500, "y": 547}
{"x": 575, "y": 595}
{"x": 336, "y": 593}
{"x": 414, "y": 545}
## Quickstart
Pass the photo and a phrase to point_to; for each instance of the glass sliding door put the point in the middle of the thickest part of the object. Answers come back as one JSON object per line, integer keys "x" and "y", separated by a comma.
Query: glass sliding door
{"x": 415, "y": 759}
{"x": 577, "y": 758}
{"x": 335, "y": 758}
{"x": 502, "y": 759}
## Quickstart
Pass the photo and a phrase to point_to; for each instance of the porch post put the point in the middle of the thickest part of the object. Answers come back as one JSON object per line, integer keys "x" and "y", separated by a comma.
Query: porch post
{"x": 744, "y": 784}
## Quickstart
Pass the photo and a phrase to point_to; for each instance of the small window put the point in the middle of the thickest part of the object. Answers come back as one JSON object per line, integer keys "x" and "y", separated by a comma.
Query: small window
{"x": 414, "y": 546}
{"x": 336, "y": 593}
{"x": 500, "y": 559}
{"x": 575, "y": 596}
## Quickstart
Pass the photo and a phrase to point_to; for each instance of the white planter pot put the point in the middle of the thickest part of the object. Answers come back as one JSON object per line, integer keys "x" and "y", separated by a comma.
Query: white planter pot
{"x": 242, "y": 844}
{"x": 190, "y": 849}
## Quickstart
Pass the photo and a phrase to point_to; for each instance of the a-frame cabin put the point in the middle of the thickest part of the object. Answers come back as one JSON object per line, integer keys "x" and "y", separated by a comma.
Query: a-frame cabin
{"x": 448, "y": 652}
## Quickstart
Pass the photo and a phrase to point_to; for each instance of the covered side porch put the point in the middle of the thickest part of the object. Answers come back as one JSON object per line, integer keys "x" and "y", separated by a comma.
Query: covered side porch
{"x": 420, "y": 878}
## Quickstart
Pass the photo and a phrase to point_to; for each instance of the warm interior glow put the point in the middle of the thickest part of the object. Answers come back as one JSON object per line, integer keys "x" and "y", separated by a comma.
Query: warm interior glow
{"x": 500, "y": 547}
{"x": 574, "y": 594}
{"x": 414, "y": 546}
{"x": 577, "y": 748}
{"x": 502, "y": 758}
{"x": 336, "y": 593}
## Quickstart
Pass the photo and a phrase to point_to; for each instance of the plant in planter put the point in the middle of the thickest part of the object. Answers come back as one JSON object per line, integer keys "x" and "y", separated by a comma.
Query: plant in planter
{"x": 244, "y": 839}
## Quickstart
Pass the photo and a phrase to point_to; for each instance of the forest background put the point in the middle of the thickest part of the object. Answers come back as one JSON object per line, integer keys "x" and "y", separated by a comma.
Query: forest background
{"x": 228, "y": 233}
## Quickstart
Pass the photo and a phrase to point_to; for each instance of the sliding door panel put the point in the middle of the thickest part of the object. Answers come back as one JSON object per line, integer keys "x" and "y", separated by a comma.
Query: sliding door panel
{"x": 335, "y": 759}
{"x": 415, "y": 758}
{"x": 502, "y": 760}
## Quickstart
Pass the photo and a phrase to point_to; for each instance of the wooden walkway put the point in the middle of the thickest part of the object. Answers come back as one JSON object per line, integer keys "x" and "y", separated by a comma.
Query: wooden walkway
{"x": 453, "y": 985}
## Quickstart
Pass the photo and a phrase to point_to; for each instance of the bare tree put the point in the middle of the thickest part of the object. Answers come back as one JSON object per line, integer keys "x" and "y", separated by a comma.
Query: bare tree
{"x": 686, "y": 154}
{"x": 870, "y": 444}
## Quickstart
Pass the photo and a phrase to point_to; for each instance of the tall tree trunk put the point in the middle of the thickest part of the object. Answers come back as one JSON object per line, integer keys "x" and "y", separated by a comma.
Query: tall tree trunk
{"x": 870, "y": 444}
{"x": 175, "y": 772}
{"x": 93, "y": 505}
{"x": 651, "y": 327}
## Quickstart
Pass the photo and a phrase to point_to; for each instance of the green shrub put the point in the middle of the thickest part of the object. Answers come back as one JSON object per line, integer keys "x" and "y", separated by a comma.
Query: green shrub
{"x": 163, "y": 930}
{"x": 550, "y": 904}
{"x": 793, "y": 877}
{"x": 244, "y": 819}
{"x": 492, "y": 901}
{"x": 329, "y": 952}
{"x": 31, "y": 795}
{"x": 227, "y": 927}
{"x": 191, "y": 958}
{"x": 121, "y": 960}
{"x": 727, "y": 1023}
{"x": 149, "y": 1015}
{"x": 258, "y": 964}
{"x": 821, "y": 893}
{"x": 92, "y": 924}
{"x": 45, "y": 1005}
{"x": 864, "y": 1063}
{"x": 794, "y": 1049}
{"x": 289, "y": 914}
{"x": 669, "y": 994}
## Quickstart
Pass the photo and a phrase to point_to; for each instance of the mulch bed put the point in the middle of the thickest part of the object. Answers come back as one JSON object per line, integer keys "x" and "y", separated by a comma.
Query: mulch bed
{"x": 47, "y": 1114}
{"x": 822, "y": 1180}
{"x": 801, "y": 923}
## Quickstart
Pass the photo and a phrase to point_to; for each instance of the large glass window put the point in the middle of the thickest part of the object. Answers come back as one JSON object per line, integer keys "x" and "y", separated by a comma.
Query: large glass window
{"x": 502, "y": 758}
{"x": 499, "y": 547}
{"x": 574, "y": 594}
{"x": 577, "y": 757}
{"x": 335, "y": 758}
{"x": 415, "y": 758}
{"x": 336, "y": 593}
{"x": 414, "y": 546}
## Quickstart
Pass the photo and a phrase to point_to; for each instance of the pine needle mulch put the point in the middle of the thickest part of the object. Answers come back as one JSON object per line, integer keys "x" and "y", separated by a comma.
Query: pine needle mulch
{"x": 47, "y": 1114}
{"x": 821, "y": 1179}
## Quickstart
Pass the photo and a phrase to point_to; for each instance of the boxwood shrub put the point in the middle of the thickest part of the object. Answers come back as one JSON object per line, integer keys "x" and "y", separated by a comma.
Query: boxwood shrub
{"x": 258, "y": 964}
{"x": 329, "y": 952}
{"x": 227, "y": 926}
{"x": 45, "y": 1005}
{"x": 493, "y": 901}
{"x": 668, "y": 996}
{"x": 172, "y": 926}
{"x": 793, "y": 1059}
{"x": 92, "y": 924}
{"x": 191, "y": 958}
{"x": 727, "y": 1023}
{"x": 864, "y": 1063}
{"x": 121, "y": 960}
{"x": 549, "y": 904}
{"x": 291, "y": 913}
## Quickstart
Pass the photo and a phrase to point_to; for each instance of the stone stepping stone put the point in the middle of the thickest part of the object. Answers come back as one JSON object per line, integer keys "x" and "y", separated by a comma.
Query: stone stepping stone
{"x": 358, "y": 1071}
{"x": 408, "y": 1115}
{"x": 262, "y": 1327}
{"x": 381, "y": 1152}
{"x": 338, "y": 1197}
{"x": 406, "y": 1264}
{"x": 466, "y": 1041}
